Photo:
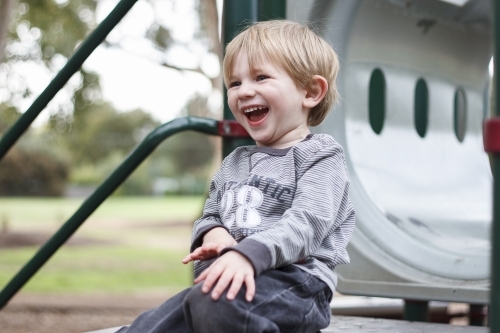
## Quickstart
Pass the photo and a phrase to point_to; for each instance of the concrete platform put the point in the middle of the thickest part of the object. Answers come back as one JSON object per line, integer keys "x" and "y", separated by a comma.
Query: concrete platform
{"x": 365, "y": 325}
{"x": 342, "y": 324}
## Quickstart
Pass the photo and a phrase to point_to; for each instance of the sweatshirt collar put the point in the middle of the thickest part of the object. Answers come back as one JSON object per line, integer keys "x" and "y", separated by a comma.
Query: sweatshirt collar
{"x": 277, "y": 151}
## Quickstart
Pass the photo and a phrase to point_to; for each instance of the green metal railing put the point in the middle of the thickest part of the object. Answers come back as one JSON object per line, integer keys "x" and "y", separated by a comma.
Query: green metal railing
{"x": 22, "y": 124}
{"x": 233, "y": 134}
{"x": 208, "y": 126}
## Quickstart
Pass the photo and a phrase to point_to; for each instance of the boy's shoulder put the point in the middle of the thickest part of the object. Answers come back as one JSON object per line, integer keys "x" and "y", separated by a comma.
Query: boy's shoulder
{"x": 316, "y": 143}
{"x": 323, "y": 140}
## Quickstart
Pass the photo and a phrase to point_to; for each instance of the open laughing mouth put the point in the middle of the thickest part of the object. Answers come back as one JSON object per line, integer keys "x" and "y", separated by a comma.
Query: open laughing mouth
{"x": 255, "y": 114}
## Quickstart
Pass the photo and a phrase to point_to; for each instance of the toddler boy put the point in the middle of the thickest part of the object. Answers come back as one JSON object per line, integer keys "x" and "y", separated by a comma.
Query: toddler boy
{"x": 278, "y": 217}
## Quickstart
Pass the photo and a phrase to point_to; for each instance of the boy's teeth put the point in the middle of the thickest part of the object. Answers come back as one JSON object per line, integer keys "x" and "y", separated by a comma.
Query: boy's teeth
{"x": 253, "y": 109}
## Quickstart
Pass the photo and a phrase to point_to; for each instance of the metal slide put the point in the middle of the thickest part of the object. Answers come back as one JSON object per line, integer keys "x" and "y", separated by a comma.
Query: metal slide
{"x": 414, "y": 84}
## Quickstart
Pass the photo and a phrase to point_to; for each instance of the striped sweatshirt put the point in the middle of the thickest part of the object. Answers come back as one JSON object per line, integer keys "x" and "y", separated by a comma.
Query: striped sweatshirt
{"x": 283, "y": 206}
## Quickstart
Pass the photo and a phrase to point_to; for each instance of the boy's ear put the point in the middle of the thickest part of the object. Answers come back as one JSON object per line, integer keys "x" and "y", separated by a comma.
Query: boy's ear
{"x": 315, "y": 92}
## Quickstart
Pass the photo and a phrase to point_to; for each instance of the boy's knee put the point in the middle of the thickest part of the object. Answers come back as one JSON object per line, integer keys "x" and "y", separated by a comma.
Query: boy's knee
{"x": 197, "y": 301}
{"x": 199, "y": 309}
{"x": 203, "y": 314}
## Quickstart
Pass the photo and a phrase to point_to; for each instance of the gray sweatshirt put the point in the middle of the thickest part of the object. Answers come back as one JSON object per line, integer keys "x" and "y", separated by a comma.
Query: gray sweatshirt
{"x": 283, "y": 206}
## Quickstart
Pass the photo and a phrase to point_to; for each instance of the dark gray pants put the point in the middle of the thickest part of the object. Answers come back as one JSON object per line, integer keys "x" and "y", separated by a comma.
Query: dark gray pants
{"x": 287, "y": 300}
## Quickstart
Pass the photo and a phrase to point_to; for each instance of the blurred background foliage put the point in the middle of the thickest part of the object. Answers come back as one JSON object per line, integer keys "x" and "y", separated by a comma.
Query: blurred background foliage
{"x": 86, "y": 138}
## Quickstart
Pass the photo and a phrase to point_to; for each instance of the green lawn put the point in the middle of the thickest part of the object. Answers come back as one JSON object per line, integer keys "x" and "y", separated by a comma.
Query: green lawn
{"x": 51, "y": 212}
{"x": 133, "y": 245}
{"x": 99, "y": 270}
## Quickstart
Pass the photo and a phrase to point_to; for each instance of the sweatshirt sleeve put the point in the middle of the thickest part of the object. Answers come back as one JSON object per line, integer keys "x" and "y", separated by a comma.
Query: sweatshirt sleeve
{"x": 211, "y": 216}
{"x": 316, "y": 211}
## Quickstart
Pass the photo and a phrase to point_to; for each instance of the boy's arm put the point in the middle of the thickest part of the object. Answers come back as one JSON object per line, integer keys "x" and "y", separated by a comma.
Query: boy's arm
{"x": 210, "y": 218}
{"x": 210, "y": 235}
{"x": 320, "y": 205}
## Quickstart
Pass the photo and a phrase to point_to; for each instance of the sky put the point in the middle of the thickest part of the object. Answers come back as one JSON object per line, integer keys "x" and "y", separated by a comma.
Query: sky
{"x": 130, "y": 75}
{"x": 131, "y": 78}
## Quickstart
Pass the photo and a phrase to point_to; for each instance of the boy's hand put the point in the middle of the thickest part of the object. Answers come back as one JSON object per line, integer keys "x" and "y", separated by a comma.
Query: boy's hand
{"x": 206, "y": 251}
{"x": 214, "y": 242}
{"x": 230, "y": 267}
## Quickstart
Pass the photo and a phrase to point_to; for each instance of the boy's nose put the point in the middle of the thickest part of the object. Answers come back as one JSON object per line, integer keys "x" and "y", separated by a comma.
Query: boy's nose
{"x": 246, "y": 90}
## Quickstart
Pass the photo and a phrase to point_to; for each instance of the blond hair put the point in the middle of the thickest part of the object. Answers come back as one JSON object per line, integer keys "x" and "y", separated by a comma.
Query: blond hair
{"x": 297, "y": 49}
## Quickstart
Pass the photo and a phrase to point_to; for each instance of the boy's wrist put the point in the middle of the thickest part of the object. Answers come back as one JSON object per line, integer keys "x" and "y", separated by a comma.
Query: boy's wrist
{"x": 199, "y": 239}
{"x": 256, "y": 252}
{"x": 217, "y": 235}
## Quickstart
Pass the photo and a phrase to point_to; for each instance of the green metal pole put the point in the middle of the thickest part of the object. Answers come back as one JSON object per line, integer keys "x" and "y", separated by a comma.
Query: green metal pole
{"x": 271, "y": 9}
{"x": 236, "y": 15}
{"x": 73, "y": 64}
{"x": 204, "y": 125}
{"x": 494, "y": 309}
{"x": 416, "y": 311}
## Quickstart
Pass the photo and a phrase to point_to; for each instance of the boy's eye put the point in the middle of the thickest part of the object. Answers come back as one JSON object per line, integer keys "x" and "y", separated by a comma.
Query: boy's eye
{"x": 261, "y": 77}
{"x": 234, "y": 84}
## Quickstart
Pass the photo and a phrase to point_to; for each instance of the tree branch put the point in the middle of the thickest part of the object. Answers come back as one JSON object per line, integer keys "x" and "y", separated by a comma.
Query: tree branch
{"x": 164, "y": 64}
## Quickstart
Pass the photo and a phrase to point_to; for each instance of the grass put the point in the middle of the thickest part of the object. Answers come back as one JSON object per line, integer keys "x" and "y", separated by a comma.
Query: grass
{"x": 51, "y": 212}
{"x": 98, "y": 270}
{"x": 141, "y": 241}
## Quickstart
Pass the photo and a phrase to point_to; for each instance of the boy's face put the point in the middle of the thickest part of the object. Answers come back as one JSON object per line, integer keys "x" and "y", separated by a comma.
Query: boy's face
{"x": 267, "y": 103}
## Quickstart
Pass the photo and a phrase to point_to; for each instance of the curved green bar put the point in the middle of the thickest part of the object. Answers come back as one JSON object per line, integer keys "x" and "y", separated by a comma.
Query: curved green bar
{"x": 140, "y": 153}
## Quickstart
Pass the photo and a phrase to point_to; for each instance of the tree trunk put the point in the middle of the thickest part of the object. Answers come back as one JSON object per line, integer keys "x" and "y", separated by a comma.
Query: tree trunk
{"x": 211, "y": 19}
{"x": 5, "y": 14}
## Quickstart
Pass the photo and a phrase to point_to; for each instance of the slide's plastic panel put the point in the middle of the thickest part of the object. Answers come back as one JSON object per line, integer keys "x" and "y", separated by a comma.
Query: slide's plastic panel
{"x": 421, "y": 182}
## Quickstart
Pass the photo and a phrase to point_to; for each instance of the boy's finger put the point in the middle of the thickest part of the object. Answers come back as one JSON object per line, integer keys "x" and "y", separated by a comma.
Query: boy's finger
{"x": 197, "y": 255}
{"x": 210, "y": 248}
{"x": 235, "y": 286}
{"x": 192, "y": 256}
{"x": 222, "y": 284}
{"x": 211, "y": 277}
{"x": 250, "y": 284}
{"x": 188, "y": 258}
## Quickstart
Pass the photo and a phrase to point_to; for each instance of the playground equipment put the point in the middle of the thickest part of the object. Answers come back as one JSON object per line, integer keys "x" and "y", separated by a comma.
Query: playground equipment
{"x": 415, "y": 84}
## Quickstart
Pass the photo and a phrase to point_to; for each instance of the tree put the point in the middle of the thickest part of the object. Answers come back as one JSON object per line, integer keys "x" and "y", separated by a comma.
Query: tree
{"x": 32, "y": 173}
{"x": 46, "y": 33}
{"x": 85, "y": 129}
{"x": 5, "y": 10}
{"x": 31, "y": 167}
{"x": 8, "y": 116}
{"x": 207, "y": 35}
{"x": 191, "y": 151}
{"x": 101, "y": 131}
